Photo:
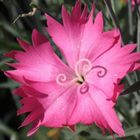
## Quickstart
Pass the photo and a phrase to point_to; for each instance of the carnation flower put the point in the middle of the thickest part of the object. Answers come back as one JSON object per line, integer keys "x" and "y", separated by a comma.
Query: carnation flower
{"x": 81, "y": 88}
{"x": 133, "y": 2}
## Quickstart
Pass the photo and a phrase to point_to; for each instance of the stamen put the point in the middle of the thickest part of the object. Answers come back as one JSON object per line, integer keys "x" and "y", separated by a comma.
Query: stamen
{"x": 102, "y": 71}
{"x": 82, "y": 67}
{"x": 84, "y": 88}
{"x": 62, "y": 80}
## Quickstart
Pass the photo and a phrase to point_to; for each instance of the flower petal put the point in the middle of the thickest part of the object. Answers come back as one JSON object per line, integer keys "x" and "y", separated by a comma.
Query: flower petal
{"x": 104, "y": 44}
{"x": 91, "y": 33}
{"x": 37, "y": 63}
{"x": 52, "y": 108}
{"x": 68, "y": 37}
{"x": 79, "y": 38}
{"x": 122, "y": 61}
{"x": 59, "y": 107}
{"x": 38, "y": 38}
{"x": 59, "y": 103}
{"x": 105, "y": 107}
{"x": 93, "y": 107}
{"x": 30, "y": 104}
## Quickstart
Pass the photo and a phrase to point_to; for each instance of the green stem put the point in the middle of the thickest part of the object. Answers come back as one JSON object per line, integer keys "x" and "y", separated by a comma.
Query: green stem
{"x": 112, "y": 14}
{"x": 138, "y": 34}
{"x": 130, "y": 18}
{"x": 7, "y": 131}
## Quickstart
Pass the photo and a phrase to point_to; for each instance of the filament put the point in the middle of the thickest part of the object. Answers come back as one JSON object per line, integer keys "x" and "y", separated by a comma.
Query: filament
{"x": 102, "y": 71}
{"x": 82, "y": 67}
{"x": 62, "y": 80}
{"x": 84, "y": 88}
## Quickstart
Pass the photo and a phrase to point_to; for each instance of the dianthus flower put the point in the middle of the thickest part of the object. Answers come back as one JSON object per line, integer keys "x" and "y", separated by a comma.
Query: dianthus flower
{"x": 133, "y": 2}
{"x": 82, "y": 87}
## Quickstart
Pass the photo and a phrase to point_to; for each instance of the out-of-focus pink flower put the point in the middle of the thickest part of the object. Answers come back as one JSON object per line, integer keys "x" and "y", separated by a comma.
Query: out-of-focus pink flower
{"x": 85, "y": 86}
{"x": 134, "y": 3}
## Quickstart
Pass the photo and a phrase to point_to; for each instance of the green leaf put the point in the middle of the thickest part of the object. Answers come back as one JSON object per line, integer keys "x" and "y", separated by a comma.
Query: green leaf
{"x": 4, "y": 61}
{"x": 10, "y": 84}
{"x": 132, "y": 88}
{"x": 8, "y": 132}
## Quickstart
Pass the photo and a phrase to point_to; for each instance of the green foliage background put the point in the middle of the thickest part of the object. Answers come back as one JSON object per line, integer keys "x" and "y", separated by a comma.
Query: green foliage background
{"x": 117, "y": 13}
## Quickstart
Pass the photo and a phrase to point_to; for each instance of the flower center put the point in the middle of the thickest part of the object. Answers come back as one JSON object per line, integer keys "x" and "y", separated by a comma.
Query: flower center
{"x": 84, "y": 88}
{"x": 81, "y": 69}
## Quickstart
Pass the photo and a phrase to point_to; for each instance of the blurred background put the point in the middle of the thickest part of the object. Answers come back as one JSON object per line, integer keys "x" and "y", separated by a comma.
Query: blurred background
{"x": 117, "y": 13}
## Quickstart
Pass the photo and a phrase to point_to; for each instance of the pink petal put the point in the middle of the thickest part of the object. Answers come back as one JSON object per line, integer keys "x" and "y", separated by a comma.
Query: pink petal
{"x": 76, "y": 11}
{"x": 104, "y": 43}
{"x": 93, "y": 107}
{"x": 34, "y": 115}
{"x": 30, "y": 104}
{"x": 34, "y": 128}
{"x": 59, "y": 107}
{"x": 61, "y": 37}
{"x": 84, "y": 39}
{"x": 105, "y": 107}
{"x": 23, "y": 44}
{"x": 68, "y": 37}
{"x": 38, "y": 38}
{"x": 48, "y": 87}
{"x": 51, "y": 110}
{"x": 41, "y": 63}
{"x": 91, "y": 33}
{"x": 83, "y": 111}
{"x": 122, "y": 59}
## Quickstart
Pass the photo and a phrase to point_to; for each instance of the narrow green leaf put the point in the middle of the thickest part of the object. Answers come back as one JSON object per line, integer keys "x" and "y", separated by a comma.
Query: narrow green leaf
{"x": 4, "y": 61}
{"x": 7, "y": 131}
{"x": 10, "y": 84}
{"x": 132, "y": 88}
{"x": 112, "y": 14}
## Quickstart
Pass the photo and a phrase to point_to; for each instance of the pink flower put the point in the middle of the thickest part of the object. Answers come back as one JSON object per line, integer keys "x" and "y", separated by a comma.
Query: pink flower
{"x": 31, "y": 103}
{"x": 133, "y": 2}
{"x": 84, "y": 87}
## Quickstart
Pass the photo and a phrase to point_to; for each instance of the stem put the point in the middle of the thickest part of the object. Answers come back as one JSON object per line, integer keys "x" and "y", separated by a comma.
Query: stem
{"x": 7, "y": 131}
{"x": 137, "y": 7}
{"x": 138, "y": 33}
{"x": 130, "y": 18}
{"x": 113, "y": 5}
{"x": 112, "y": 14}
